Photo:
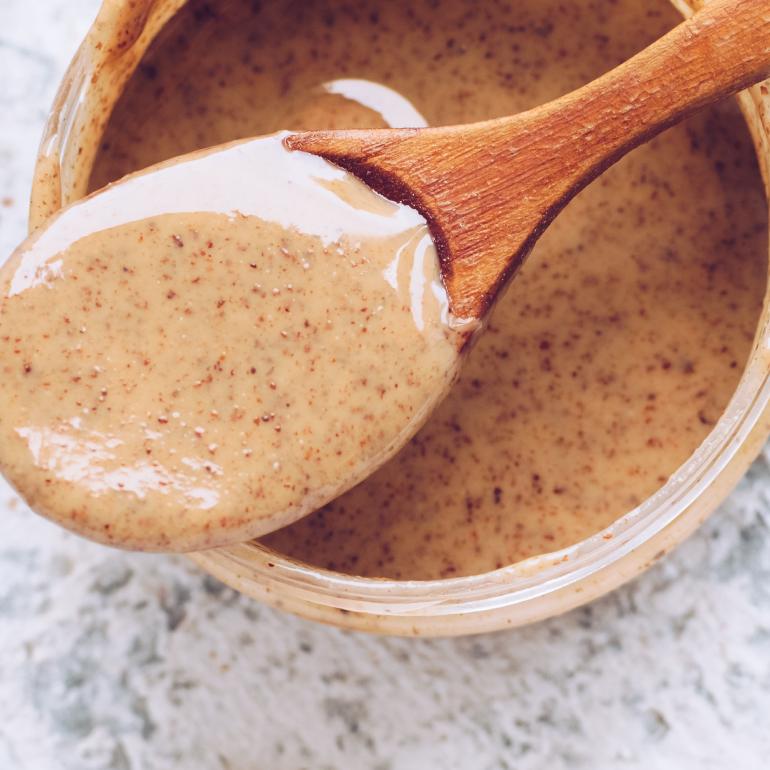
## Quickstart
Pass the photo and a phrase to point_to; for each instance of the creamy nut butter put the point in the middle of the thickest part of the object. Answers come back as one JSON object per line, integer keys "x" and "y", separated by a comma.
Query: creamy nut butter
{"x": 210, "y": 349}
{"x": 614, "y": 351}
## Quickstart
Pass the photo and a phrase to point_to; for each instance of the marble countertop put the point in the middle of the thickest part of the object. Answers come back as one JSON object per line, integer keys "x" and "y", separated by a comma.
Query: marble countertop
{"x": 120, "y": 661}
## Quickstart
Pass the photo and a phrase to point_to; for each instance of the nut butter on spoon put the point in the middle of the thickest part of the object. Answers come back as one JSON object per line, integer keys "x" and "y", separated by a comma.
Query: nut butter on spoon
{"x": 212, "y": 348}
{"x": 208, "y": 350}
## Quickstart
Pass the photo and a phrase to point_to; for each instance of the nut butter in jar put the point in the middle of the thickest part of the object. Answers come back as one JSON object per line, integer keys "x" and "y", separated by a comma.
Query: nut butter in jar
{"x": 622, "y": 387}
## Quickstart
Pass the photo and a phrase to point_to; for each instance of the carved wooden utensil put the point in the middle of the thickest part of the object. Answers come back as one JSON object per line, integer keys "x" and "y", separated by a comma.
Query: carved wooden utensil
{"x": 488, "y": 190}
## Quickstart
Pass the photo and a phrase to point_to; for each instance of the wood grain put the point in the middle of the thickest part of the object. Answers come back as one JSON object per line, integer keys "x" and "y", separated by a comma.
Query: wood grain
{"x": 489, "y": 190}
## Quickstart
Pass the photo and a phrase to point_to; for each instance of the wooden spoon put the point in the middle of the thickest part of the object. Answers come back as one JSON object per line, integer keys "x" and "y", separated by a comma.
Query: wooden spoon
{"x": 489, "y": 190}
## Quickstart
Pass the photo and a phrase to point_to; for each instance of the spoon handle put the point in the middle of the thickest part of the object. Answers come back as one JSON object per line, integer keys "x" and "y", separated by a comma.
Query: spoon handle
{"x": 721, "y": 49}
{"x": 490, "y": 189}
{"x": 509, "y": 178}
{"x": 532, "y": 164}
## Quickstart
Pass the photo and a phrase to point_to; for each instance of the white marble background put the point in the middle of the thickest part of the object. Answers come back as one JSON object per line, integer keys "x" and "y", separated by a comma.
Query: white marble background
{"x": 125, "y": 662}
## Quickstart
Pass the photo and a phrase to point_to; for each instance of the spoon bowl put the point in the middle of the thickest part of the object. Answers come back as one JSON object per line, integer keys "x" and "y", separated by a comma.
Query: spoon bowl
{"x": 209, "y": 349}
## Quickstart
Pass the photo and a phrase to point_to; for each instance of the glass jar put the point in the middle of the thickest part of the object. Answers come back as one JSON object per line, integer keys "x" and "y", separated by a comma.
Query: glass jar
{"x": 521, "y": 593}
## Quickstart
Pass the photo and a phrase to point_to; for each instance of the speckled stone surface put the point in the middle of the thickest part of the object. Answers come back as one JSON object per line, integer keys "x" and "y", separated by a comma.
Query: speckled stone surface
{"x": 122, "y": 661}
